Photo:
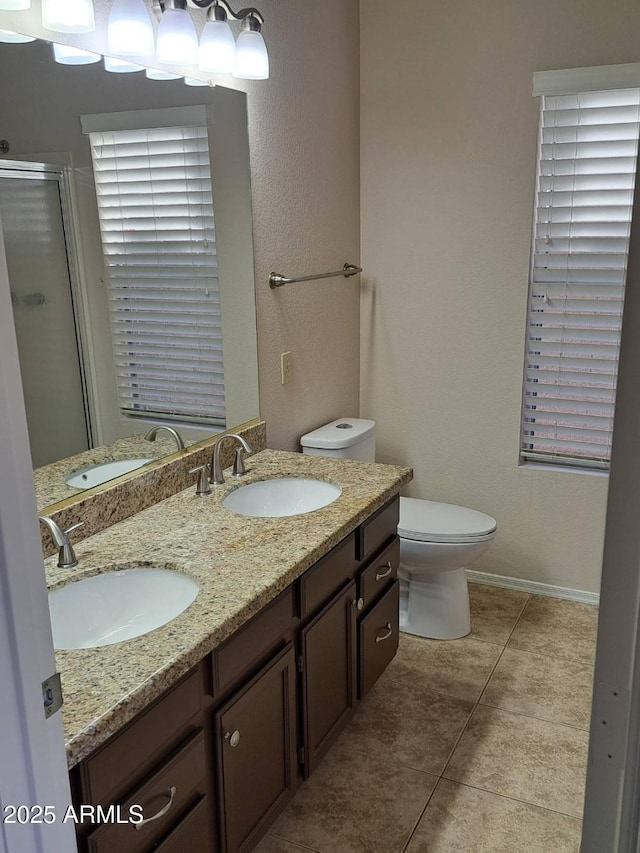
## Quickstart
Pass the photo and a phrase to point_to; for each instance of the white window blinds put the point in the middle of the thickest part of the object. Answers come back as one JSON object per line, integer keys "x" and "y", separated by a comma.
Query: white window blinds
{"x": 156, "y": 218}
{"x": 584, "y": 195}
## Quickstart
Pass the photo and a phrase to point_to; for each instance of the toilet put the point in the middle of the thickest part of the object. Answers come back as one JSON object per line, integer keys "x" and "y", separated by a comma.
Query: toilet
{"x": 437, "y": 540}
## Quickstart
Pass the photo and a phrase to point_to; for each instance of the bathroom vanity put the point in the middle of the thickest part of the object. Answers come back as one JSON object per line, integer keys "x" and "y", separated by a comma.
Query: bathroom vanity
{"x": 212, "y": 721}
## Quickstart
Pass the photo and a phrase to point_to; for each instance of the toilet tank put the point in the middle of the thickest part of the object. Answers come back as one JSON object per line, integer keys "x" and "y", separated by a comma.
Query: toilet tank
{"x": 346, "y": 438}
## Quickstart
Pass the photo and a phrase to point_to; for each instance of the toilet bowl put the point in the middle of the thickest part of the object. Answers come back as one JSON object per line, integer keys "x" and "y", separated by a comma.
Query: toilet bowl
{"x": 437, "y": 541}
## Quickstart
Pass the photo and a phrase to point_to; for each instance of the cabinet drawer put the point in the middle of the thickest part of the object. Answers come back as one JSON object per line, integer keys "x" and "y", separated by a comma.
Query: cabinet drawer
{"x": 323, "y": 580}
{"x": 378, "y": 635}
{"x": 378, "y": 529}
{"x": 256, "y": 641}
{"x": 193, "y": 832}
{"x": 134, "y": 752}
{"x": 179, "y": 782}
{"x": 379, "y": 574}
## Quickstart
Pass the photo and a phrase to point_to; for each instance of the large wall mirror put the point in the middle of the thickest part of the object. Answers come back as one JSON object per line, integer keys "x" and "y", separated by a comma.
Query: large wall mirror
{"x": 71, "y": 359}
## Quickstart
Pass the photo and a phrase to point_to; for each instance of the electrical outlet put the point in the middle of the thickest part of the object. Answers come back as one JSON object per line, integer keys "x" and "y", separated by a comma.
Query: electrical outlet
{"x": 286, "y": 366}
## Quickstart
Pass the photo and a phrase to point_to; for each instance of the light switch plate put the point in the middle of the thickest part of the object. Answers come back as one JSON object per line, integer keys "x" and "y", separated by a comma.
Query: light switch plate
{"x": 286, "y": 367}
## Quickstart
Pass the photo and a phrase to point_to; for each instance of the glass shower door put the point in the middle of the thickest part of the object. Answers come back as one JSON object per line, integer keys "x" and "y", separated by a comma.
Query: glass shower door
{"x": 41, "y": 295}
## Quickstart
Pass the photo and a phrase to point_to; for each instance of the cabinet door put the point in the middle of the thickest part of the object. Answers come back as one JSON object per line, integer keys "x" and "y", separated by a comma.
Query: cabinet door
{"x": 379, "y": 633}
{"x": 328, "y": 655}
{"x": 256, "y": 752}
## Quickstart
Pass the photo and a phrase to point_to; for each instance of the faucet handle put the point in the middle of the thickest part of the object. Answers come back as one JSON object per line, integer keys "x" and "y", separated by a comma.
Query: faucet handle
{"x": 238, "y": 466}
{"x": 73, "y": 527}
{"x": 202, "y": 487}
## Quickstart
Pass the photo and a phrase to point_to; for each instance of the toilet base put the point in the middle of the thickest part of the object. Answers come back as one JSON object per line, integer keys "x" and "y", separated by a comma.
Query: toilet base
{"x": 436, "y": 606}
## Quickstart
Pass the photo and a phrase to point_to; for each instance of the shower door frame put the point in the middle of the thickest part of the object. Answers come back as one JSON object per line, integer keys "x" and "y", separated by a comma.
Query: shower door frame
{"x": 62, "y": 176}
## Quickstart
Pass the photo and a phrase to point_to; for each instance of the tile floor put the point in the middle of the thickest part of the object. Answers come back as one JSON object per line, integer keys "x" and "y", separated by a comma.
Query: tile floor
{"x": 477, "y": 745}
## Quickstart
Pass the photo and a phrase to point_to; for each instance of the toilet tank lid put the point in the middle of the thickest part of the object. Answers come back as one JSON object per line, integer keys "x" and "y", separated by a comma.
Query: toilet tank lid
{"x": 430, "y": 521}
{"x": 345, "y": 432}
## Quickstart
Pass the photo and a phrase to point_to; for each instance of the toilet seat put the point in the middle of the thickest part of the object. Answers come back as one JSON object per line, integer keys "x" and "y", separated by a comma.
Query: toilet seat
{"x": 431, "y": 521}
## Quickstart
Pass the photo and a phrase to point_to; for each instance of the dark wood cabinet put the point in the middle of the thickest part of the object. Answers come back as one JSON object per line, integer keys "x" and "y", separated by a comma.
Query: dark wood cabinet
{"x": 378, "y": 639}
{"x": 222, "y": 752}
{"x": 328, "y": 675}
{"x": 255, "y": 738}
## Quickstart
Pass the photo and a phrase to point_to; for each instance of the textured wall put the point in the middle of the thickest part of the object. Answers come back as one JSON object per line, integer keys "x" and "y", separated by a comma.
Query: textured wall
{"x": 448, "y": 131}
{"x": 303, "y": 130}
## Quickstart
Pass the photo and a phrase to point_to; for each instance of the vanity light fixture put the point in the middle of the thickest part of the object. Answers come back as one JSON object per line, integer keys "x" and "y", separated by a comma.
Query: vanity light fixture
{"x": 121, "y": 66}
{"x": 130, "y": 30}
{"x": 252, "y": 59}
{"x": 217, "y": 52}
{"x": 68, "y": 16}
{"x": 157, "y": 74}
{"x": 67, "y": 55}
{"x": 193, "y": 81}
{"x": 130, "y": 34}
{"x": 9, "y": 37}
{"x": 177, "y": 38}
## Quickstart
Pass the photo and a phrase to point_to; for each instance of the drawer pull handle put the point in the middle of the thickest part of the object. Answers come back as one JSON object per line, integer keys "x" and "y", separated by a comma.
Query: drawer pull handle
{"x": 380, "y": 575}
{"x": 385, "y": 636}
{"x": 358, "y": 603}
{"x": 171, "y": 794}
{"x": 232, "y": 737}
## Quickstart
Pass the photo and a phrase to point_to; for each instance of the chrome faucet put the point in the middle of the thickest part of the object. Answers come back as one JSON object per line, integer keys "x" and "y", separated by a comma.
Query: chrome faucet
{"x": 217, "y": 477}
{"x": 151, "y": 435}
{"x": 66, "y": 556}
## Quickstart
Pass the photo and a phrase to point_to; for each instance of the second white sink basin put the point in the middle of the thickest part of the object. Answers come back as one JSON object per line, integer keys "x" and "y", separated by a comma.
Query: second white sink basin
{"x": 116, "y": 606}
{"x": 96, "y": 475}
{"x": 281, "y": 496}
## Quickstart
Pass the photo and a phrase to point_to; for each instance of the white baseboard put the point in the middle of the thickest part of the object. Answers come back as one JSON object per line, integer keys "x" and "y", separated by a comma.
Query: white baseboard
{"x": 533, "y": 586}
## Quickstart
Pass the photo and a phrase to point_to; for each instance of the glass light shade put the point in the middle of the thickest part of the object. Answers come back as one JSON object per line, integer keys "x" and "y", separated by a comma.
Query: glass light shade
{"x": 9, "y": 37}
{"x": 15, "y": 6}
{"x": 67, "y": 55}
{"x": 252, "y": 59}
{"x": 177, "y": 38}
{"x": 193, "y": 81}
{"x": 156, "y": 74}
{"x": 68, "y": 16}
{"x": 130, "y": 31}
{"x": 217, "y": 52}
{"x": 120, "y": 66}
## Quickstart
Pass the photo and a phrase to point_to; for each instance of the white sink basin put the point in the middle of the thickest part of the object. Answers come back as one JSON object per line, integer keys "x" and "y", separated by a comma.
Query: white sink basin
{"x": 116, "y": 606}
{"x": 96, "y": 475}
{"x": 281, "y": 496}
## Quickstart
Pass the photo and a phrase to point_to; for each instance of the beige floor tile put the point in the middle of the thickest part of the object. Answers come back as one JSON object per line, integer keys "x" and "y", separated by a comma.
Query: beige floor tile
{"x": 494, "y": 612}
{"x": 548, "y": 688}
{"x": 354, "y": 803}
{"x": 403, "y": 724}
{"x": 558, "y": 628}
{"x": 454, "y": 667}
{"x": 271, "y": 844}
{"x": 532, "y": 760}
{"x": 460, "y": 819}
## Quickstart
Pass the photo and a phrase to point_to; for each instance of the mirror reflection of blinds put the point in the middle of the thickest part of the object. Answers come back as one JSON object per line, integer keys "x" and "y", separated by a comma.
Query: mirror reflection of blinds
{"x": 585, "y": 182}
{"x": 156, "y": 219}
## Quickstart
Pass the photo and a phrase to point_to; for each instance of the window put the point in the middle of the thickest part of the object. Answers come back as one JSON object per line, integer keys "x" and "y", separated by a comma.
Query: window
{"x": 155, "y": 206}
{"x": 585, "y": 181}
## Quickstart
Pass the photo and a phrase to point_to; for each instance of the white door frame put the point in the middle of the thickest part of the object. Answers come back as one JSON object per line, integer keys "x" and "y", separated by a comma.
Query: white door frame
{"x": 33, "y": 770}
{"x": 612, "y": 806}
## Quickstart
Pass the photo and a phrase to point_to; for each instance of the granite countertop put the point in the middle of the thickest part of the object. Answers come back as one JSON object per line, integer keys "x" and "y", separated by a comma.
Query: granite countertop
{"x": 240, "y": 564}
{"x": 49, "y": 479}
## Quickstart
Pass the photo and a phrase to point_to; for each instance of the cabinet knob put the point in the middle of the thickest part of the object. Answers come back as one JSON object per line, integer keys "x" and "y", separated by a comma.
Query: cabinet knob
{"x": 232, "y": 737}
{"x": 358, "y": 603}
{"x": 380, "y": 575}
